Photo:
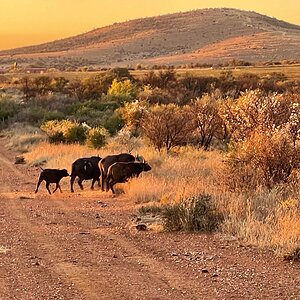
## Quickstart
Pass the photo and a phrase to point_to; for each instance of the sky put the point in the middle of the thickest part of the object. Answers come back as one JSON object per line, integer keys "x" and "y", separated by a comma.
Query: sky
{"x": 28, "y": 22}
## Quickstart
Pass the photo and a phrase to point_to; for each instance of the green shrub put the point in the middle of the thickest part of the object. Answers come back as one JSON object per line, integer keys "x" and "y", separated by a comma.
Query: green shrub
{"x": 192, "y": 214}
{"x": 32, "y": 115}
{"x": 122, "y": 90}
{"x": 96, "y": 138}
{"x": 64, "y": 131}
{"x": 76, "y": 134}
{"x": 8, "y": 108}
{"x": 56, "y": 138}
{"x": 95, "y": 113}
{"x": 53, "y": 115}
{"x": 114, "y": 123}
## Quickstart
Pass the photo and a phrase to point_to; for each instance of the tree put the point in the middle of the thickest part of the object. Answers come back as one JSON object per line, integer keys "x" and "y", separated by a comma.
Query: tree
{"x": 27, "y": 88}
{"x": 167, "y": 126}
{"x": 206, "y": 120}
{"x": 76, "y": 89}
{"x": 59, "y": 84}
{"x": 42, "y": 84}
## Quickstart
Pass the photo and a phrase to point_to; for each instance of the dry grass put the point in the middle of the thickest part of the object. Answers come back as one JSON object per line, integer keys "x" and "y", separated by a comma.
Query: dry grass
{"x": 267, "y": 219}
{"x": 181, "y": 174}
{"x": 23, "y": 138}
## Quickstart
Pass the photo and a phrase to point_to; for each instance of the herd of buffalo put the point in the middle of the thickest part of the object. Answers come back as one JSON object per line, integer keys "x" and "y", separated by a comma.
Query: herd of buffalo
{"x": 112, "y": 169}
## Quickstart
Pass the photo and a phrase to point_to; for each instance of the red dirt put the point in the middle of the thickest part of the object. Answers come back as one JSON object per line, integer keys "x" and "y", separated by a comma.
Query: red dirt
{"x": 71, "y": 246}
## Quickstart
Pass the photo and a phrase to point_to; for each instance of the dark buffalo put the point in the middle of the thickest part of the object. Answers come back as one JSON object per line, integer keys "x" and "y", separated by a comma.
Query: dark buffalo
{"x": 86, "y": 168}
{"x": 52, "y": 176}
{"x": 107, "y": 161}
{"x": 120, "y": 172}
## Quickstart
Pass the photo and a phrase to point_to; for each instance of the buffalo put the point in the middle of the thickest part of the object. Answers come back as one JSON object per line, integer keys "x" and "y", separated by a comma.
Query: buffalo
{"x": 121, "y": 172}
{"x": 107, "y": 161}
{"x": 86, "y": 168}
{"x": 51, "y": 176}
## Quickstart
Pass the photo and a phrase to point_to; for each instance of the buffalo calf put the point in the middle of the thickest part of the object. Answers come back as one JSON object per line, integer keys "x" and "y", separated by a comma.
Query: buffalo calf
{"x": 52, "y": 176}
{"x": 120, "y": 172}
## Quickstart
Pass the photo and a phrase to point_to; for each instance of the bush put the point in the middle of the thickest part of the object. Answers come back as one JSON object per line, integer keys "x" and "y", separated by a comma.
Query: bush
{"x": 76, "y": 134}
{"x": 53, "y": 115}
{"x": 56, "y": 138}
{"x": 132, "y": 114}
{"x": 207, "y": 122}
{"x": 8, "y": 109}
{"x": 64, "y": 131}
{"x": 167, "y": 126}
{"x": 192, "y": 214}
{"x": 266, "y": 158}
{"x": 114, "y": 123}
{"x": 123, "y": 90}
{"x": 31, "y": 114}
{"x": 256, "y": 109}
{"x": 96, "y": 137}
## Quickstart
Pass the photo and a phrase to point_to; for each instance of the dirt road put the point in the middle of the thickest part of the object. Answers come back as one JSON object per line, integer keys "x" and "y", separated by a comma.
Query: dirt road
{"x": 84, "y": 246}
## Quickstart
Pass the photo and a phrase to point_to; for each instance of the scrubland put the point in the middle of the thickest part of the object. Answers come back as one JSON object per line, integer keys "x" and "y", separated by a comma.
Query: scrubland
{"x": 224, "y": 151}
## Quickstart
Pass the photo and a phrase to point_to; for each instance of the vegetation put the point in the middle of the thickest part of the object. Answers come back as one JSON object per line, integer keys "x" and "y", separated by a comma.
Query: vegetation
{"x": 192, "y": 214}
{"x": 96, "y": 137}
{"x": 229, "y": 144}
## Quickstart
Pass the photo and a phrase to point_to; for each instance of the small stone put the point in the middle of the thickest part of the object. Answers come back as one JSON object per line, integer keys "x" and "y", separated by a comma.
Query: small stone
{"x": 24, "y": 198}
{"x": 141, "y": 227}
{"x": 19, "y": 160}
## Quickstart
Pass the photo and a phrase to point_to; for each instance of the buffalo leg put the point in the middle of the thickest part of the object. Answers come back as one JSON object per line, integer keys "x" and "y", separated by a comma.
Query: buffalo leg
{"x": 103, "y": 179}
{"x": 38, "y": 185}
{"x": 47, "y": 187}
{"x": 72, "y": 183}
{"x": 57, "y": 187}
{"x": 111, "y": 185}
{"x": 107, "y": 183}
{"x": 93, "y": 182}
{"x": 80, "y": 183}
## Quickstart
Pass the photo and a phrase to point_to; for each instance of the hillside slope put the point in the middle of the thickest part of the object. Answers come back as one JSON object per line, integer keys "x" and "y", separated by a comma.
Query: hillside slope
{"x": 207, "y": 35}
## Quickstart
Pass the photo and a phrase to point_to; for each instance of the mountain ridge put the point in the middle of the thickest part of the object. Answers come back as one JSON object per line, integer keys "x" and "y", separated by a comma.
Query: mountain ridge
{"x": 179, "y": 37}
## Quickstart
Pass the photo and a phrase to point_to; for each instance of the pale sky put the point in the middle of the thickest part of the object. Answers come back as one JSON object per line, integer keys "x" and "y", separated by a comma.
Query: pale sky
{"x": 27, "y": 22}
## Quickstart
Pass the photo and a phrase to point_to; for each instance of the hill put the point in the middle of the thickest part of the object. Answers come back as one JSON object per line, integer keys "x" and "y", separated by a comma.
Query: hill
{"x": 199, "y": 36}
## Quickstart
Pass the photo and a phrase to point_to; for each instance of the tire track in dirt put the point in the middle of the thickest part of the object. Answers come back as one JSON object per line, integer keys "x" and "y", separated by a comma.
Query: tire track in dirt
{"x": 158, "y": 272}
{"x": 148, "y": 271}
{"x": 29, "y": 264}
{"x": 73, "y": 275}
